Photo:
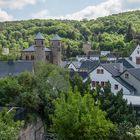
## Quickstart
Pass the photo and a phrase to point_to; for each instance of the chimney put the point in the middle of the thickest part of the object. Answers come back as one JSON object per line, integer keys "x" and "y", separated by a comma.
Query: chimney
{"x": 121, "y": 68}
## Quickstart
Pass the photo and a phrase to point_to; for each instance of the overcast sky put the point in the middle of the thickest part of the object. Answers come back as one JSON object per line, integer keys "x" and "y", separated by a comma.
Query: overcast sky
{"x": 63, "y": 9}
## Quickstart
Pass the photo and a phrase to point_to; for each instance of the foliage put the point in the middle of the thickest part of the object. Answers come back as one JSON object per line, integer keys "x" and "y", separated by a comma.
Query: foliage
{"x": 78, "y": 118}
{"x": 117, "y": 109}
{"x": 107, "y": 33}
{"x": 9, "y": 129}
{"x": 35, "y": 92}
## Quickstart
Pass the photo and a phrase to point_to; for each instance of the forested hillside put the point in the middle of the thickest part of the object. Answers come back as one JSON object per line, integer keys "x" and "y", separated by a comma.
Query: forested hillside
{"x": 117, "y": 33}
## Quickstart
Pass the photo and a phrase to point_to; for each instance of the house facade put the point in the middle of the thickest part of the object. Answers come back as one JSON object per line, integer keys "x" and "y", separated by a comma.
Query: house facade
{"x": 105, "y": 73}
{"x": 132, "y": 76}
{"x": 135, "y": 55}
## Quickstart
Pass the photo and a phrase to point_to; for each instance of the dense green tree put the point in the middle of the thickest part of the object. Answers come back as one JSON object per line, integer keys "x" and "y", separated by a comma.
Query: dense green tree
{"x": 9, "y": 129}
{"x": 78, "y": 118}
{"x": 129, "y": 33}
{"x": 117, "y": 108}
{"x": 9, "y": 91}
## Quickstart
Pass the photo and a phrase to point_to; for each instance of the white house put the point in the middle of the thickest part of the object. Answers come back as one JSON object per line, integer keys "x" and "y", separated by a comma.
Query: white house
{"x": 135, "y": 55}
{"x": 105, "y": 53}
{"x": 105, "y": 73}
{"x": 74, "y": 65}
{"x": 111, "y": 57}
{"x": 81, "y": 57}
{"x": 94, "y": 57}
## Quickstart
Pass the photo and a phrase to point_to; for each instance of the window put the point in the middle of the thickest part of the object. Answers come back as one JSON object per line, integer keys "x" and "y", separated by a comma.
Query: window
{"x": 138, "y": 52}
{"x": 32, "y": 57}
{"x": 127, "y": 75}
{"x": 102, "y": 83}
{"x": 98, "y": 71}
{"x": 58, "y": 43}
{"x": 116, "y": 87}
{"x": 93, "y": 84}
{"x": 97, "y": 83}
{"x": 102, "y": 71}
{"x": 42, "y": 42}
{"x": 27, "y": 57}
{"x": 47, "y": 57}
{"x": 137, "y": 60}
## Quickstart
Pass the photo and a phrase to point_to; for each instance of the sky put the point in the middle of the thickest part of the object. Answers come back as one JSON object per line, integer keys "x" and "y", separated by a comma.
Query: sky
{"x": 63, "y": 9}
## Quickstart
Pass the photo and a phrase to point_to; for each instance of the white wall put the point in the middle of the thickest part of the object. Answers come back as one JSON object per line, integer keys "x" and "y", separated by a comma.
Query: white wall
{"x": 71, "y": 66}
{"x": 111, "y": 59}
{"x": 81, "y": 58}
{"x": 135, "y": 54}
{"x": 104, "y": 53}
{"x": 94, "y": 58}
{"x": 107, "y": 77}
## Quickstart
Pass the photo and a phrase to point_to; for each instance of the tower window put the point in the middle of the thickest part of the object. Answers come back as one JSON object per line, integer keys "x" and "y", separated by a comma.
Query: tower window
{"x": 42, "y": 42}
{"x": 32, "y": 57}
{"x": 58, "y": 43}
{"x": 47, "y": 57}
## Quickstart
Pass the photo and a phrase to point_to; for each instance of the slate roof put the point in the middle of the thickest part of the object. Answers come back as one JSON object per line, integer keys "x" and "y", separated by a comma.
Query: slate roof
{"x": 84, "y": 75}
{"x": 111, "y": 55}
{"x": 56, "y": 38}
{"x": 14, "y": 67}
{"x": 125, "y": 63}
{"x": 39, "y": 36}
{"x": 32, "y": 49}
{"x": 125, "y": 84}
{"x": 135, "y": 72}
{"x": 77, "y": 64}
{"x": 113, "y": 68}
{"x": 88, "y": 65}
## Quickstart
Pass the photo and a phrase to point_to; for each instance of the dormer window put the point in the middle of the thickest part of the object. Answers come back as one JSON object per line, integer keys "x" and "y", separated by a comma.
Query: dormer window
{"x": 126, "y": 75}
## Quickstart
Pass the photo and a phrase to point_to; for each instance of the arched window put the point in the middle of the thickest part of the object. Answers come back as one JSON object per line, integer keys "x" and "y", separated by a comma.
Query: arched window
{"x": 27, "y": 57}
{"x": 47, "y": 57}
{"x": 32, "y": 57}
{"x": 58, "y": 43}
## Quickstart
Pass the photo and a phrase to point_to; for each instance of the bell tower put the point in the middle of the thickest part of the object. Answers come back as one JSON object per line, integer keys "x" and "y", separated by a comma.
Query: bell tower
{"x": 39, "y": 48}
{"x": 56, "y": 50}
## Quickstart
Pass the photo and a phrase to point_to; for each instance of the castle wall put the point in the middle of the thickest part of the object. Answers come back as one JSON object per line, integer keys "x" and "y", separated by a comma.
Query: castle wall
{"x": 30, "y": 55}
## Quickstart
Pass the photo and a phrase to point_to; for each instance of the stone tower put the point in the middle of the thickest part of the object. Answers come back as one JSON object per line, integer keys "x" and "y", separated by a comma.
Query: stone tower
{"x": 39, "y": 48}
{"x": 56, "y": 50}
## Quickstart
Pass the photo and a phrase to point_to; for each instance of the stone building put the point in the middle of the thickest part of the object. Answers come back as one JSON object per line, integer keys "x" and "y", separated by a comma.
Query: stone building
{"x": 86, "y": 48}
{"x": 38, "y": 52}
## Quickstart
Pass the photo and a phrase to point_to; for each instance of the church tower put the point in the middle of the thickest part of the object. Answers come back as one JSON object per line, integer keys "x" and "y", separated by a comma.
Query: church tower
{"x": 39, "y": 48}
{"x": 56, "y": 50}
